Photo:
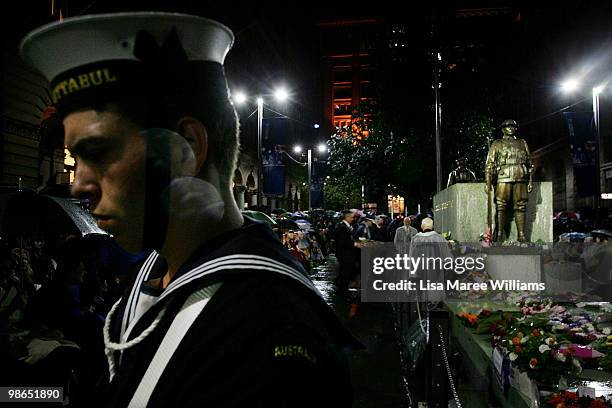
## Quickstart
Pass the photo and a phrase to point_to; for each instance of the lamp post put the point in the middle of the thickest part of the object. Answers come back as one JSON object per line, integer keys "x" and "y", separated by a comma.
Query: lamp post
{"x": 321, "y": 148}
{"x": 259, "y": 158}
{"x": 438, "y": 120}
{"x": 600, "y": 158}
{"x": 572, "y": 85}
{"x": 240, "y": 98}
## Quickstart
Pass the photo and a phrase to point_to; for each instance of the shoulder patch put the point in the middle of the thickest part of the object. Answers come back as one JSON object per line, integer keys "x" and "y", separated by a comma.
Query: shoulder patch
{"x": 293, "y": 350}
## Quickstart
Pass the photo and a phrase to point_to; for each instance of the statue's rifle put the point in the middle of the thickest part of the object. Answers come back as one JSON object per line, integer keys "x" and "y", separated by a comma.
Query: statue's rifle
{"x": 489, "y": 204}
{"x": 489, "y": 214}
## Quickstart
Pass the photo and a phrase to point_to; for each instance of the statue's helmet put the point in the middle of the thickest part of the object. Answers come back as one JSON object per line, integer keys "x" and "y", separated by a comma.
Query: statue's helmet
{"x": 509, "y": 122}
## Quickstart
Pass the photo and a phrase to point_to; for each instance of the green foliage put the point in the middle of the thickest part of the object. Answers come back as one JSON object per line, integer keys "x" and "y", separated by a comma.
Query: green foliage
{"x": 467, "y": 134}
{"x": 384, "y": 161}
{"x": 397, "y": 159}
{"x": 340, "y": 195}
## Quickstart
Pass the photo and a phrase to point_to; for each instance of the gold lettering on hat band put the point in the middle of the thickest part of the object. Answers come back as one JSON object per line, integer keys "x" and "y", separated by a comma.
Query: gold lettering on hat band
{"x": 72, "y": 85}
{"x": 96, "y": 77}
{"x": 82, "y": 81}
{"x": 108, "y": 76}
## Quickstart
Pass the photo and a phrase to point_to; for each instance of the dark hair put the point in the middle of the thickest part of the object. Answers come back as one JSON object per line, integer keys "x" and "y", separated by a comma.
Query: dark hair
{"x": 205, "y": 98}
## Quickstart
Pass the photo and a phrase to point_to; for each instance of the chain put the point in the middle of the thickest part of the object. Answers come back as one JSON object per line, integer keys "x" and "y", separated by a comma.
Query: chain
{"x": 448, "y": 369}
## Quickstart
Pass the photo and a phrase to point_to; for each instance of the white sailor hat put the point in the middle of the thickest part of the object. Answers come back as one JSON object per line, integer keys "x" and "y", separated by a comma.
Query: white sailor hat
{"x": 95, "y": 55}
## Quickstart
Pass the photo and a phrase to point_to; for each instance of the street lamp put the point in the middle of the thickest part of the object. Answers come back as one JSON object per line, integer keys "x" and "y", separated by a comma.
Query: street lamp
{"x": 281, "y": 94}
{"x": 240, "y": 98}
{"x": 572, "y": 84}
{"x": 321, "y": 148}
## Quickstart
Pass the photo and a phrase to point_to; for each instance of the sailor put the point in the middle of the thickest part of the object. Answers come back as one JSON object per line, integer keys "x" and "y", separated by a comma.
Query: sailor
{"x": 219, "y": 314}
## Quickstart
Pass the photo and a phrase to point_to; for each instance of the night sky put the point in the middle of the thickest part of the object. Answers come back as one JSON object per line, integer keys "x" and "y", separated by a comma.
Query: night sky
{"x": 512, "y": 63}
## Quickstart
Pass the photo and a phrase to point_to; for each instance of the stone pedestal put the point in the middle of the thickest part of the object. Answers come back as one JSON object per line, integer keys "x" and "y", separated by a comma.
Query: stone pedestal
{"x": 562, "y": 277}
{"x": 524, "y": 264}
{"x": 462, "y": 210}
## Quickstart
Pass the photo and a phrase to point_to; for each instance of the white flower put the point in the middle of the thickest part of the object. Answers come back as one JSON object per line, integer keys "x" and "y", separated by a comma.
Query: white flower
{"x": 543, "y": 348}
{"x": 590, "y": 327}
{"x": 513, "y": 356}
{"x": 524, "y": 339}
{"x": 549, "y": 341}
{"x": 607, "y": 331}
{"x": 560, "y": 357}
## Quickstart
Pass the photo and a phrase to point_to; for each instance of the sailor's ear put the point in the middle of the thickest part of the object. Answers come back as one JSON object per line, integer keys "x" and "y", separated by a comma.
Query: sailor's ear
{"x": 195, "y": 133}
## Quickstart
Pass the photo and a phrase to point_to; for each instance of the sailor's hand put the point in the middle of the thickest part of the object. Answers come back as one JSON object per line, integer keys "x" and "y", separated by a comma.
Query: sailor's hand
{"x": 487, "y": 188}
{"x": 529, "y": 187}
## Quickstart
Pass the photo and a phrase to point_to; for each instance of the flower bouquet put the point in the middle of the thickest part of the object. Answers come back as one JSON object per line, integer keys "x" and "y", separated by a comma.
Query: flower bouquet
{"x": 469, "y": 319}
{"x": 568, "y": 399}
{"x": 539, "y": 353}
{"x": 579, "y": 328}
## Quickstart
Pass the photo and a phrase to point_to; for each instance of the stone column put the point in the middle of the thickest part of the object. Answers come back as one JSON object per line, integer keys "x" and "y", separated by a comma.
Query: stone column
{"x": 239, "y": 196}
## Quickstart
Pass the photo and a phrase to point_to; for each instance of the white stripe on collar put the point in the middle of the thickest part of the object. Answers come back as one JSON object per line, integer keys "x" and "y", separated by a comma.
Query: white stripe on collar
{"x": 183, "y": 321}
{"x": 230, "y": 262}
{"x": 145, "y": 277}
{"x": 242, "y": 262}
{"x": 238, "y": 257}
{"x": 132, "y": 301}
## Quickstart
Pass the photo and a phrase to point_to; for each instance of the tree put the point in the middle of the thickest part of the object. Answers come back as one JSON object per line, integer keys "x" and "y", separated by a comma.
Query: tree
{"x": 376, "y": 153}
{"x": 340, "y": 195}
{"x": 467, "y": 133}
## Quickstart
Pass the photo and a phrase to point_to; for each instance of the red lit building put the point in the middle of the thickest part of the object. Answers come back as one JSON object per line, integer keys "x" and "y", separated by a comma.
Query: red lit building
{"x": 347, "y": 46}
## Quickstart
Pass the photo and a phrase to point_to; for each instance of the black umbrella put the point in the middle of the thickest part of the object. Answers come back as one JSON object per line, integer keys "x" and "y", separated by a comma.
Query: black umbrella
{"x": 602, "y": 232}
{"x": 287, "y": 224}
{"x": 25, "y": 212}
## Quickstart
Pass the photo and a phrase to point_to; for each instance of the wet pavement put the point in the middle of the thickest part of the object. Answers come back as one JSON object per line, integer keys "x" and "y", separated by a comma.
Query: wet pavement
{"x": 376, "y": 372}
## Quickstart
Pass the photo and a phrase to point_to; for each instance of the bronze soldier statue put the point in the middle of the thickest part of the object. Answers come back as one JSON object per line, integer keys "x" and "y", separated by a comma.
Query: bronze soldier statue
{"x": 509, "y": 167}
{"x": 461, "y": 173}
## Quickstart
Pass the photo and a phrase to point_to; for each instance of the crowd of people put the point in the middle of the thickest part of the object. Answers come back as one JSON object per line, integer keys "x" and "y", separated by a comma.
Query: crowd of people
{"x": 581, "y": 221}
{"x": 343, "y": 234}
{"x": 55, "y": 293}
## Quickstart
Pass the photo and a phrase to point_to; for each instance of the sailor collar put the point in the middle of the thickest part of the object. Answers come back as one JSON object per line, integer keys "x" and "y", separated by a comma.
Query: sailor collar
{"x": 203, "y": 269}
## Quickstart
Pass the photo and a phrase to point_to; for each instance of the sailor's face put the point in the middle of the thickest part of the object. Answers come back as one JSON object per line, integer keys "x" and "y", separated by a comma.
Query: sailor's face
{"x": 110, "y": 171}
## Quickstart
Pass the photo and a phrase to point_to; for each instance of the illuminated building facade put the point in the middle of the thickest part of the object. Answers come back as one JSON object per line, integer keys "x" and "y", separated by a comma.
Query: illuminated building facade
{"x": 349, "y": 68}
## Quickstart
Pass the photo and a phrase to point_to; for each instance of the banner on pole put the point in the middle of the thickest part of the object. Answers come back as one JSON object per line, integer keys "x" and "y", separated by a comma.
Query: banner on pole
{"x": 275, "y": 131}
{"x": 583, "y": 150}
